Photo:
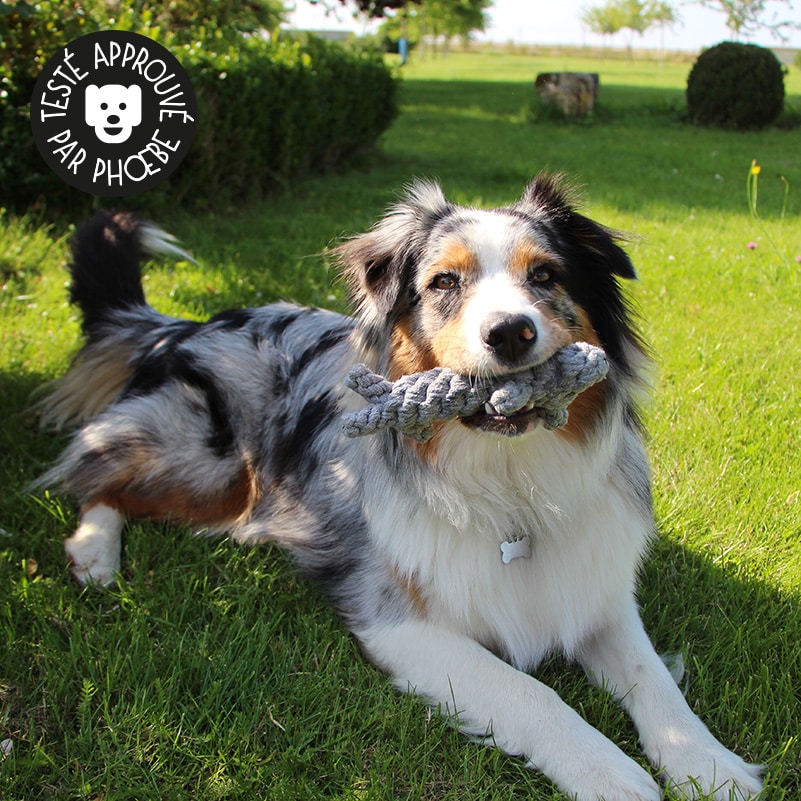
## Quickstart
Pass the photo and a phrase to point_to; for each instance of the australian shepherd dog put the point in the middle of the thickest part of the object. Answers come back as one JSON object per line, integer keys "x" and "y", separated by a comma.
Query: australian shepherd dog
{"x": 235, "y": 425}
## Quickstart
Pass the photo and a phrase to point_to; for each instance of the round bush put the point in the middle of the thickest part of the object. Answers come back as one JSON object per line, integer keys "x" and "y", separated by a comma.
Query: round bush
{"x": 735, "y": 85}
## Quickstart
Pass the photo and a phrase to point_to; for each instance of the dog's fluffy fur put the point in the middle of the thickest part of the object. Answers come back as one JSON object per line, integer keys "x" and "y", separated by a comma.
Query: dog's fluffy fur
{"x": 235, "y": 425}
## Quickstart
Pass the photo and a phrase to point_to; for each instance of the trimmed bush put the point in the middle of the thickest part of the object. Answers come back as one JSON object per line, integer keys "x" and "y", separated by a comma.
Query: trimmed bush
{"x": 267, "y": 111}
{"x": 271, "y": 112}
{"x": 29, "y": 33}
{"x": 738, "y": 86}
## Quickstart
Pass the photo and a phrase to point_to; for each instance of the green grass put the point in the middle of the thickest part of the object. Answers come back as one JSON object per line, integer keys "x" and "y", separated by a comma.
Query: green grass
{"x": 212, "y": 673}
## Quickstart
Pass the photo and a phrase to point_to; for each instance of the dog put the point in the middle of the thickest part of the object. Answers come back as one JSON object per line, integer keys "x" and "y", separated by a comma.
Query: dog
{"x": 458, "y": 563}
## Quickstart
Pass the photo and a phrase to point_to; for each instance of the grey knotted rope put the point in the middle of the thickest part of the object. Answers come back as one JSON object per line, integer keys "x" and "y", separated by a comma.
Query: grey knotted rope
{"x": 413, "y": 402}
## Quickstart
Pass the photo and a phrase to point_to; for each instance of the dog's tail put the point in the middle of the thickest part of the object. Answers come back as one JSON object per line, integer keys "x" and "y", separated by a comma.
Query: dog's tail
{"x": 106, "y": 267}
{"x": 106, "y": 273}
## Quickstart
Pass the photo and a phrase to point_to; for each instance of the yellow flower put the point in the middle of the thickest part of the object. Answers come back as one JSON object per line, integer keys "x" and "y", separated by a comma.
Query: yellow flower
{"x": 755, "y": 168}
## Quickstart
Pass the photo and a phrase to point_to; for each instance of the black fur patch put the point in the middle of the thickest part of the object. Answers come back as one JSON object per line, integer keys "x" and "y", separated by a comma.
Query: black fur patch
{"x": 294, "y": 453}
{"x": 232, "y": 319}
{"x": 327, "y": 341}
{"x": 175, "y": 364}
{"x": 158, "y": 364}
{"x": 281, "y": 322}
{"x": 105, "y": 268}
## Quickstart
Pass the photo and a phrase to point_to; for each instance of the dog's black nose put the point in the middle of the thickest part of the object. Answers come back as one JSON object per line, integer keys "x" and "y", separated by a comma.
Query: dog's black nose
{"x": 509, "y": 335}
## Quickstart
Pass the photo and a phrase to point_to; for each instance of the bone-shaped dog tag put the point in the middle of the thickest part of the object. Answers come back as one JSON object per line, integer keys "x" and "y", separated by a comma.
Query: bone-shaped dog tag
{"x": 516, "y": 549}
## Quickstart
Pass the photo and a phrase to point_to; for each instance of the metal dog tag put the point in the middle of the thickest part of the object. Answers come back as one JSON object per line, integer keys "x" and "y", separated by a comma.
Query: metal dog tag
{"x": 516, "y": 549}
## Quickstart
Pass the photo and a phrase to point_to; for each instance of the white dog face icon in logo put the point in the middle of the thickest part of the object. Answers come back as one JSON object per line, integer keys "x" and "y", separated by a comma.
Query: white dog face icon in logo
{"x": 113, "y": 111}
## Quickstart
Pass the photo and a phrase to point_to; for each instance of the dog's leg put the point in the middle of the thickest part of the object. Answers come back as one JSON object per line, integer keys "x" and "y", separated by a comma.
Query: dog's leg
{"x": 94, "y": 548}
{"x": 491, "y": 700}
{"x": 675, "y": 740}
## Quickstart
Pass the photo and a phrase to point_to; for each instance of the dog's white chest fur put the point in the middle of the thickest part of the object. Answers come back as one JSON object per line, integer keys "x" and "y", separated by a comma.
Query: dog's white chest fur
{"x": 507, "y": 558}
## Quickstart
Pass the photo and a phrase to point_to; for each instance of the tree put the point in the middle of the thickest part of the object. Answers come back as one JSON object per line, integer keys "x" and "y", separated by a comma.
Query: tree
{"x": 460, "y": 17}
{"x": 745, "y": 17}
{"x": 663, "y": 15}
{"x": 437, "y": 18}
{"x": 240, "y": 16}
{"x": 636, "y": 16}
{"x": 604, "y": 20}
{"x": 373, "y": 8}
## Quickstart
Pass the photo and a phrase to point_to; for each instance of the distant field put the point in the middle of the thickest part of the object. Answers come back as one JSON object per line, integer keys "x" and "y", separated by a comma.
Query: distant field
{"x": 211, "y": 673}
{"x": 647, "y": 68}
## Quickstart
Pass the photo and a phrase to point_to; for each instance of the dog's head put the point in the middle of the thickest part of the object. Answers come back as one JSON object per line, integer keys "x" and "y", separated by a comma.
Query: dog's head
{"x": 487, "y": 292}
{"x": 113, "y": 111}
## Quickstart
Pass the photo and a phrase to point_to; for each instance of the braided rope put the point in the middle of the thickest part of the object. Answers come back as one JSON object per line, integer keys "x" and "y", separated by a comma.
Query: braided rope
{"x": 413, "y": 402}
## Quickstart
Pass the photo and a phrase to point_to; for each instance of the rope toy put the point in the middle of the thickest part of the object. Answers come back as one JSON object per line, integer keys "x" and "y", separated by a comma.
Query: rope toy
{"x": 413, "y": 402}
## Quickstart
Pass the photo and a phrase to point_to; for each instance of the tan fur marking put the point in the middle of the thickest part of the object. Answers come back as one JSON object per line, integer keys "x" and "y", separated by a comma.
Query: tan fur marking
{"x": 583, "y": 412}
{"x": 412, "y": 590}
{"x": 407, "y": 356}
{"x": 454, "y": 257}
{"x": 447, "y": 347}
{"x": 585, "y": 332}
{"x": 222, "y": 508}
{"x": 527, "y": 255}
{"x": 91, "y": 385}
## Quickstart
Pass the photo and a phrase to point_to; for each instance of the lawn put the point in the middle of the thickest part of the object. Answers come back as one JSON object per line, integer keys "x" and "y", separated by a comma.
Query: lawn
{"x": 212, "y": 673}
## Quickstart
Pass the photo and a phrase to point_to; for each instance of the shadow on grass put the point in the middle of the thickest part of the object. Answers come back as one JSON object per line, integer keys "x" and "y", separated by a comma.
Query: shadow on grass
{"x": 634, "y": 153}
{"x": 739, "y": 639}
{"x": 504, "y": 98}
{"x": 21, "y": 438}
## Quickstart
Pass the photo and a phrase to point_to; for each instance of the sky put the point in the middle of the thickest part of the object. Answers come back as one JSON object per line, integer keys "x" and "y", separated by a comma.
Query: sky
{"x": 559, "y": 22}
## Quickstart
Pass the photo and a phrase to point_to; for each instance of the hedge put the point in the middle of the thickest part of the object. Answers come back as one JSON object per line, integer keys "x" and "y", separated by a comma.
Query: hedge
{"x": 267, "y": 111}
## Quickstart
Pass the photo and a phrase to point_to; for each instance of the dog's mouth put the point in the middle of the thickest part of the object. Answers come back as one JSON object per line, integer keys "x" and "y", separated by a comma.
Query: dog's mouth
{"x": 111, "y": 131}
{"x": 513, "y": 425}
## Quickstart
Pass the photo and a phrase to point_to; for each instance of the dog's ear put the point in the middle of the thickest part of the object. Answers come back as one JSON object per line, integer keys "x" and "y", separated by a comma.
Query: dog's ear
{"x": 378, "y": 266}
{"x": 552, "y": 199}
{"x": 595, "y": 260}
{"x": 92, "y": 115}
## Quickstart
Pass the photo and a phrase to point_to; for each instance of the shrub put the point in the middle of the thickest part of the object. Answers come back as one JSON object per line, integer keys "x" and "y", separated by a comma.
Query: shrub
{"x": 29, "y": 34}
{"x": 270, "y": 112}
{"x": 267, "y": 111}
{"x": 737, "y": 86}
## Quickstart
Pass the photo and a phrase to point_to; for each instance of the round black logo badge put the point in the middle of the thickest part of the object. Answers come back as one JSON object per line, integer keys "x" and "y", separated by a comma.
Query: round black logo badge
{"x": 113, "y": 113}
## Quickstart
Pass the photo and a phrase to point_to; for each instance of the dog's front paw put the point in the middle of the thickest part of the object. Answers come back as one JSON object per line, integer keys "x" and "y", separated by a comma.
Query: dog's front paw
{"x": 624, "y": 783}
{"x": 710, "y": 771}
{"x": 602, "y": 774}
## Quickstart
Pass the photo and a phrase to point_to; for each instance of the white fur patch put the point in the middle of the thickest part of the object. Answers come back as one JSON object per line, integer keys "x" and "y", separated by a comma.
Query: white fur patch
{"x": 157, "y": 242}
{"x": 498, "y": 293}
{"x": 94, "y": 548}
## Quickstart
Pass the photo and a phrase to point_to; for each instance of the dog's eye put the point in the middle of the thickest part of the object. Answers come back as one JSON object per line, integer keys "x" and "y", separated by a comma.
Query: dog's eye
{"x": 445, "y": 282}
{"x": 540, "y": 274}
